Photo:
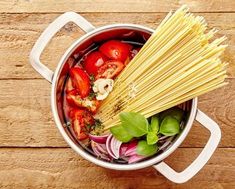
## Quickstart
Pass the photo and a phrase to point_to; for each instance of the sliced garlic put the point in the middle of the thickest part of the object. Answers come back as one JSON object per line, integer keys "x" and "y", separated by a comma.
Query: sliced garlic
{"x": 102, "y": 87}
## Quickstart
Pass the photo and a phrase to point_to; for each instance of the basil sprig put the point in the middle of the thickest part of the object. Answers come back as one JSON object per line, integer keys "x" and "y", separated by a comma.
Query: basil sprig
{"x": 152, "y": 137}
{"x": 120, "y": 133}
{"x": 135, "y": 125}
{"x": 144, "y": 149}
{"x": 169, "y": 126}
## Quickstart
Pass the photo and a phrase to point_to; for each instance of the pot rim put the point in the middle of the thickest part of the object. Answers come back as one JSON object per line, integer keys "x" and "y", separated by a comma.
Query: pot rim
{"x": 80, "y": 150}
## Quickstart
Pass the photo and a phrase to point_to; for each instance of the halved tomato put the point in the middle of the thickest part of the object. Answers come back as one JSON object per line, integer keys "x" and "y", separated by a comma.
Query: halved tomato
{"x": 70, "y": 96}
{"x": 93, "y": 61}
{"x": 74, "y": 99}
{"x": 110, "y": 69}
{"x": 80, "y": 81}
{"x": 68, "y": 85}
{"x": 82, "y": 121}
{"x": 116, "y": 50}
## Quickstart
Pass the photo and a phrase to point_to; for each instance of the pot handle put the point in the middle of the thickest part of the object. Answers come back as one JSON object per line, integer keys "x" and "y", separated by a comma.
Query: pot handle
{"x": 201, "y": 160}
{"x": 47, "y": 35}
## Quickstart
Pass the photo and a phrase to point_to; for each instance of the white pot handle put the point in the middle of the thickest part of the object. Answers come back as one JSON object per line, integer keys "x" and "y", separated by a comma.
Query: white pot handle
{"x": 47, "y": 35}
{"x": 201, "y": 160}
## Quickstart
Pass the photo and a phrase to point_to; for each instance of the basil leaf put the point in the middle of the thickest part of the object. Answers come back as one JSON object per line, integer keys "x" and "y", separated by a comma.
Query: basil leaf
{"x": 175, "y": 112}
{"x": 146, "y": 150}
{"x": 134, "y": 123}
{"x": 154, "y": 125}
{"x": 169, "y": 126}
{"x": 120, "y": 133}
{"x": 152, "y": 138}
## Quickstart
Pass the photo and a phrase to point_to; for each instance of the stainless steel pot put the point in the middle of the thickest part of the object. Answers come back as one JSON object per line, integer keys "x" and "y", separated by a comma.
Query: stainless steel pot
{"x": 57, "y": 79}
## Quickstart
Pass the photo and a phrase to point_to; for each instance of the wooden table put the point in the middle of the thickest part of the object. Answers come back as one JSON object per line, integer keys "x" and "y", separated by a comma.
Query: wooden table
{"x": 32, "y": 152}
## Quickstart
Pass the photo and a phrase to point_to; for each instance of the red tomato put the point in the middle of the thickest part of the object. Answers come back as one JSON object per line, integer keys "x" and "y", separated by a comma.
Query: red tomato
{"x": 110, "y": 69}
{"x": 80, "y": 81}
{"x": 116, "y": 50}
{"x": 68, "y": 85}
{"x": 67, "y": 108}
{"x": 82, "y": 121}
{"x": 70, "y": 96}
{"x": 93, "y": 61}
{"x": 74, "y": 99}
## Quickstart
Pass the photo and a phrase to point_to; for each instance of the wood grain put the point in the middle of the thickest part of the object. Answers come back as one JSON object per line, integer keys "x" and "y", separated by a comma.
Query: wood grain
{"x": 62, "y": 168}
{"x": 26, "y": 118}
{"x": 33, "y": 154}
{"x": 42, "y": 6}
{"x": 19, "y": 32}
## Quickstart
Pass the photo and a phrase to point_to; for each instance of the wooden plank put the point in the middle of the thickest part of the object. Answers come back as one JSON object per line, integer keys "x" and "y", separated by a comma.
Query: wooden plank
{"x": 219, "y": 105}
{"x": 26, "y": 118}
{"x": 43, "y": 6}
{"x": 62, "y": 168}
{"x": 18, "y": 39}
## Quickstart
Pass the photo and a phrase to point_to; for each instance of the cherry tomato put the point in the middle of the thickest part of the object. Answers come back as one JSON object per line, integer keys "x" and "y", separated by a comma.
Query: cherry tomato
{"x": 80, "y": 81}
{"x": 110, "y": 69}
{"x": 116, "y": 50}
{"x": 74, "y": 99}
{"x": 93, "y": 61}
{"x": 82, "y": 121}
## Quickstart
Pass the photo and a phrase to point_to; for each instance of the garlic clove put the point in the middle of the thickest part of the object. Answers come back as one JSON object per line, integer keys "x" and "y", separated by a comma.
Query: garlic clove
{"x": 95, "y": 89}
{"x": 103, "y": 87}
{"x": 110, "y": 85}
{"x": 101, "y": 96}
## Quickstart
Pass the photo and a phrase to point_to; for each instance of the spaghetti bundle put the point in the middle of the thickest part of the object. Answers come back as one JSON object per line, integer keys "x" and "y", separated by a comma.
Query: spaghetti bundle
{"x": 177, "y": 63}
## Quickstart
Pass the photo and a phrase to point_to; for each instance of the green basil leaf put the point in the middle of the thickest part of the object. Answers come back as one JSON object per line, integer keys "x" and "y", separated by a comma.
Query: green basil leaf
{"x": 154, "y": 125}
{"x": 152, "y": 138}
{"x": 169, "y": 126}
{"x": 146, "y": 150}
{"x": 175, "y": 112}
{"x": 134, "y": 123}
{"x": 120, "y": 133}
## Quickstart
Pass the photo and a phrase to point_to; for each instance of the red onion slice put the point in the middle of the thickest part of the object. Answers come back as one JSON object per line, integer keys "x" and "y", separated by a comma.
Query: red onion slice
{"x": 108, "y": 146}
{"x": 126, "y": 158}
{"x": 102, "y": 148}
{"x": 135, "y": 158}
{"x": 115, "y": 147}
{"x": 100, "y": 151}
{"x": 98, "y": 139}
{"x": 163, "y": 137}
{"x": 167, "y": 142}
{"x": 131, "y": 149}
{"x": 123, "y": 149}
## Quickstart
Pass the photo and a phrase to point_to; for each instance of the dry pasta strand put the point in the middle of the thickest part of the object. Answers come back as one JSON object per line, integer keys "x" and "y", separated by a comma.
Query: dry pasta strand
{"x": 178, "y": 62}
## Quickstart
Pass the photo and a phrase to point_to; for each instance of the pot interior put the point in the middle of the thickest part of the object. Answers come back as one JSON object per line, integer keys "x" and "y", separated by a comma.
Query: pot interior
{"x": 92, "y": 40}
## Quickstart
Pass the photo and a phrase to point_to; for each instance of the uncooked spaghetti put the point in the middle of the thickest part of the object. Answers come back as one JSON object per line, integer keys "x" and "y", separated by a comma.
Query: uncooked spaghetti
{"x": 177, "y": 63}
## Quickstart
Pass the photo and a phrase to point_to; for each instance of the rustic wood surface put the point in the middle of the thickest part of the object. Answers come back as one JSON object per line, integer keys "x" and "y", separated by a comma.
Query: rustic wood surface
{"x": 32, "y": 152}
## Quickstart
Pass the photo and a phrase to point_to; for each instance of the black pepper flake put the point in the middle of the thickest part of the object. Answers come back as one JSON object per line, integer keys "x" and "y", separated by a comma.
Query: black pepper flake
{"x": 118, "y": 106}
